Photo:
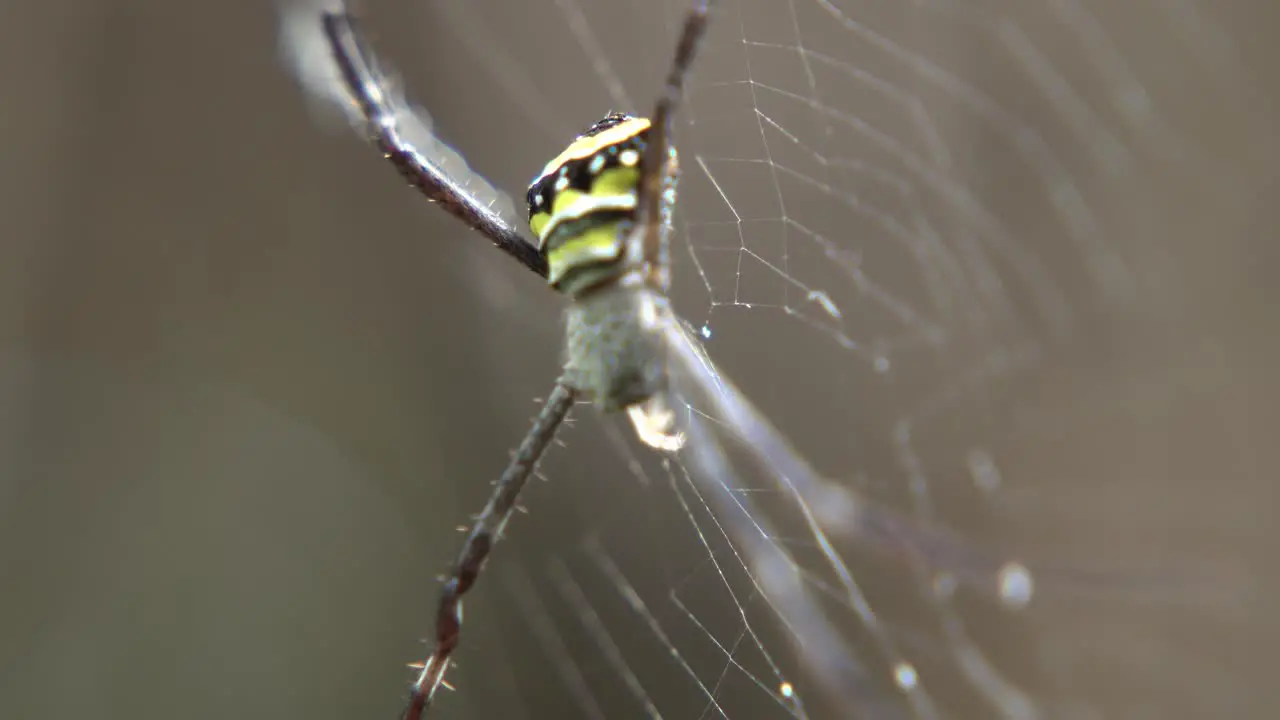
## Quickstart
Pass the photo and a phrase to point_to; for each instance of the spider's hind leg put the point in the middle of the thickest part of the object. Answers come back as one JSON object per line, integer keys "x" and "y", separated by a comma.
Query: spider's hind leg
{"x": 484, "y": 534}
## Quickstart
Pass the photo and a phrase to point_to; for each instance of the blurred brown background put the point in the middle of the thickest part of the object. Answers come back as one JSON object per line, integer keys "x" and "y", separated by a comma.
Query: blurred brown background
{"x": 248, "y": 384}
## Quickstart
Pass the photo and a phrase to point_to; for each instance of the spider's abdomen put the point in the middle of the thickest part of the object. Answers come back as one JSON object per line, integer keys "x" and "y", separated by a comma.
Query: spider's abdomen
{"x": 613, "y": 353}
{"x": 584, "y": 201}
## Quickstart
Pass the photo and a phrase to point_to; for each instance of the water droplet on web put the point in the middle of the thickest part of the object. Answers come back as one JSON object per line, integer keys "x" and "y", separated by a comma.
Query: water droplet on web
{"x": 881, "y": 364}
{"x": 984, "y": 471}
{"x": 1016, "y": 585}
{"x": 904, "y": 674}
{"x": 786, "y": 690}
{"x": 706, "y": 331}
{"x": 824, "y": 300}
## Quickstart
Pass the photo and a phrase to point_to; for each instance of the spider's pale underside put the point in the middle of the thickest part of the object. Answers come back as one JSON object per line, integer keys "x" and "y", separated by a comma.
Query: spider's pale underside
{"x": 601, "y": 213}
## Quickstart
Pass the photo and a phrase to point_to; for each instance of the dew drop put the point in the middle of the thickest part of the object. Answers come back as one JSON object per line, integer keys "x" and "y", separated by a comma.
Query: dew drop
{"x": 904, "y": 674}
{"x": 1016, "y": 585}
{"x": 706, "y": 331}
{"x": 984, "y": 471}
{"x": 825, "y": 302}
{"x": 786, "y": 690}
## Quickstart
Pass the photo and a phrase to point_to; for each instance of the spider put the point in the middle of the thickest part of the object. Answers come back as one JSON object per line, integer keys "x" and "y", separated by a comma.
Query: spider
{"x": 601, "y": 211}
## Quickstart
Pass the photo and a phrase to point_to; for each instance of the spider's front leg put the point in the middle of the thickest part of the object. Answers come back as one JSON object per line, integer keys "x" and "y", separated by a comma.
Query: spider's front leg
{"x": 382, "y": 111}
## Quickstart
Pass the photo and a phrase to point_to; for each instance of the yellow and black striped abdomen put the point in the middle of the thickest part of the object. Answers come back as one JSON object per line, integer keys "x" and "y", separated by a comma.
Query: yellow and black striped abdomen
{"x": 584, "y": 201}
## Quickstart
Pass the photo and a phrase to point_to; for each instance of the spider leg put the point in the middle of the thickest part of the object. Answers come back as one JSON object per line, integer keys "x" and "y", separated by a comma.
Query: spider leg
{"x": 486, "y": 531}
{"x": 659, "y": 163}
{"x": 360, "y": 75}
{"x": 838, "y": 510}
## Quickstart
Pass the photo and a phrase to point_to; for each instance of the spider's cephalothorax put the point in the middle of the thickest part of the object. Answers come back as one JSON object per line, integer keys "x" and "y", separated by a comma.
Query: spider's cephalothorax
{"x": 583, "y": 209}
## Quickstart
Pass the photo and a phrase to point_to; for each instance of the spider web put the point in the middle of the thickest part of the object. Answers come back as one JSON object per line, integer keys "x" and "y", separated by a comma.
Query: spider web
{"x": 925, "y": 239}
